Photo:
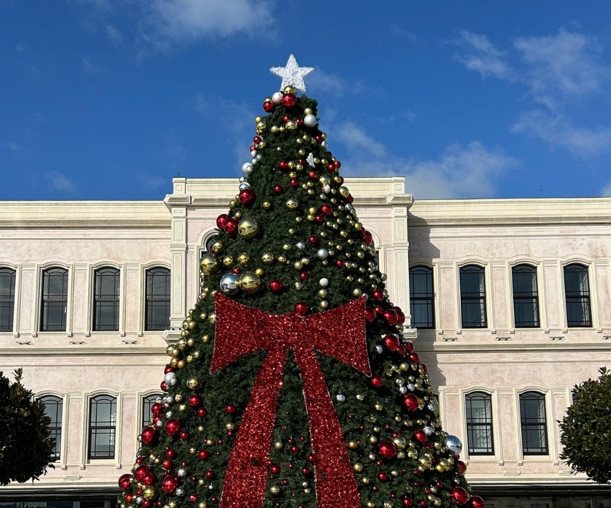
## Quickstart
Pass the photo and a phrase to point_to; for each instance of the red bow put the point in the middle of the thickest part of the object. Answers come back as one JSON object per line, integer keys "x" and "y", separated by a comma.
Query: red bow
{"x": 339, "y": 333}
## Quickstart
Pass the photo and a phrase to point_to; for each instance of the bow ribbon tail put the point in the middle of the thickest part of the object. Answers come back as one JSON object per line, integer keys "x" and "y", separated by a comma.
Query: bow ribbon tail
{"x": 246, "y": 474}
{"x": 335, "y": 482}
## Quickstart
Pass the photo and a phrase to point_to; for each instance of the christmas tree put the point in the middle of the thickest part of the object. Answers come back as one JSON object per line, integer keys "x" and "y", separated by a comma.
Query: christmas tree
{"x": 292, "y": 384}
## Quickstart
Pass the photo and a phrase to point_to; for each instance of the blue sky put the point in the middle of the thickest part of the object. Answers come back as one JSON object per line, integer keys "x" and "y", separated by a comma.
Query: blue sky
{"x": 110, "y": 99}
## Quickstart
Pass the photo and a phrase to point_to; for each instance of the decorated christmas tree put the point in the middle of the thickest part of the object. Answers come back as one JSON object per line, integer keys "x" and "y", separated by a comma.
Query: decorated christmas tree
{"x": 292, "y": 384}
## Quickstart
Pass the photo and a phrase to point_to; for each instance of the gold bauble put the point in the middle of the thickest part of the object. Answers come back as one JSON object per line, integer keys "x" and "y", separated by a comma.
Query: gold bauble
{"x": 292, "y": 204}
{"x": 230, "y": 426}
{"x": 203, "y": 316}
{"x": 281, "y": 259}
{"x": 298, "y": 265}
{"x": 249, "y": 282}
{"x": 180, "y": 364}
{"x": 266, "y": 205}
{"x": 312, "y": 210}
{"x": 212, "y": 318}
{"x": 243, "y": 258}
{"x": 278, "y": 445}
{"x": 228, "y": 261}
{"x": 169, "y": 349}
{"x": 357, "y": 292}
{"x": 400, "y": 442}
{"x": 275, "y": 490}
{"x": 323, "y": 304}
{"x": 173, "y": 362}
{"x": 290, "y": 125}
{"x": 267, "y": 258}
{"x": 192, "y": 383}
{"x": 148, "y": 492}
{"x": 208, "y": 263}
{"x": 289, "y": 90}
{"x": 191, "y": 341}
{"x": 258, "y": 119}
{"x": 202, "y": 505}
{"x": 322, "y": 293}
{"x": 260, "y": 272}
{"x": 358, "y": 467}
{"x": 217, "y": 247}
{"x": 353, "y": 444}
{"x": 205, "y": 338}
{"x": 182, "y": 408}
{"x": 247, "y": 227}
{"x": 412, "y": 453}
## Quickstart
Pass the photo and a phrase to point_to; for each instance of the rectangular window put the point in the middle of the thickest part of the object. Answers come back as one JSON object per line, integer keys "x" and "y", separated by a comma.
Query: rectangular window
{"x": 53, "y": 409}
{"x": 533, "y": 422}
{"x": 473, "y": 297}
{"x": 147, "y": 404}
{"x": 479, "y": 423}
{"x": 525, "y": 296}
{"x": 422, "y": 298}
{"x": 7, "y": 299}
{"x": 102, "y": 427}
{"x": 577, "y": 293}
{"x": 54, "y": 300}
{"x": 157, "y": 299}
{"x": 106, "y": 299}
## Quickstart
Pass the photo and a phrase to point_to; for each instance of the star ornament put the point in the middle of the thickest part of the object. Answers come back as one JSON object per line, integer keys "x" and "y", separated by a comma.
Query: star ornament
{"x": 292, "y": 74}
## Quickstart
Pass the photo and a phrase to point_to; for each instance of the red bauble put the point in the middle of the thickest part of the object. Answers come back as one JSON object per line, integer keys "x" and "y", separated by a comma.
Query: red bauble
{"x": 166, "y": 464}
{"x": 411, "y": 401}
{"x": 294, "y": 182}
{"x": 301, "y": 308}
{"x": 163, "y": 386}
{"x": 304, "y": 275}
{"x": 306, "y": 471}
{"x": 319, "y": 218}
{"x": 414, "y": 357}
{"x": 377, "y": 381}
{"x": 275, "y": 285}
{"x": 230, "y": 409}
{"x": 209, "y": 474}
{"x": 124, "y": 481}
{"x": 383, "y": 477}
{"x": 407, "y": 501}
{"x": 149, "y": 478}
{"x": 195, "y": 400}
{"x": 169, "y": 483}
{"x": 313, "y": 239}
{"x": 460, "y": 494}
{"x": 170, "y": 453}
{"x": 313, "y": 175}
{"x": 340, "y": 263}
{"x": 128, "y": 497}
{"x": 256, "y": 140}
{"x": 370, "y": 314}
{"x": 231, "y": 226}
{"x": 400, "y": 315}
{"x": 283, "y": 165}
{"x": 327, "y": 209}
{"x": 387, "y": 450}
{"x": 378, "y": 294}
{"x": 337, "y": 164}
{"x": 149, "y": 435}
{"x": 193, "y": 498}
{"x": 184, "y": 435}
{"x": 331, "y": 167}
{"x": 246, "y": 197}
{"x": 268, "y": 106}
{"x": 319, "y": 139}
{"x": 289, "y": 100}
{"x": 275, "y": 469}
{"x": 220, "y": 221}
{"x": 367, "y": 236}
{"x": 462, "y": 466}
{"x": 391, "y": 316}
{"x": 201, "y": 412}
{"x": 286, "y": 119}
{"x": 156, "y": 408}
{"x": 420, "y": 436}
{"x": 478, "y": 502}
{"x": 409, "y": 347}
{"x": 278, "y": 189}
{"x": 203, "y": 454}
{"x": 172, "y": 427}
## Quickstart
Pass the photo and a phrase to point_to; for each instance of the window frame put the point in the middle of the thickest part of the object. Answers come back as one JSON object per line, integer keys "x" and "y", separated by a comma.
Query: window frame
{"x": 524, "y": 298}
{"x": 96, "y": 428}
{"x": 101, "y": 300}
{"x": 421, "y": 300}
{"x": 528, "y": 424}
{"x": 575, "y": 298}
{"x": 147, "y": 403}
{"x": 8, "y": 301}
{"x": 55, "y": 426}
{"x": 151, "y": 299}
{"x": 473, "y": 299}
{"x": 473, "y": 426}
{"x": 46, "y": 299}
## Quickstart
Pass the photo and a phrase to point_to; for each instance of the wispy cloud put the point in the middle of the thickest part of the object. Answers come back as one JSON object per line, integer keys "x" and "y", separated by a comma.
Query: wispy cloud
{"x": 482, "y": 56}
{"x": 606, "y": 192}
{"x": 558, "y": 132}
{"x": 91, "y": 69}
{"x": 21, "y": 47}
{"x": 60, "y": 182}
{"x": 355, "y": 139}
{"x": 11, "y": 145}
{"x": 150, "y": 180}
{"x": 114, "y": 34}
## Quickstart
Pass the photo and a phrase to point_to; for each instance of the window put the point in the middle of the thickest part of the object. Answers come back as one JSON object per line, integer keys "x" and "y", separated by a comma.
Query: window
{"x": 534, "y": 427}
{"x": 525, "y": 296}
{"x": 102, "y": 427}
{"x": 421, "y": 298}
{"x": 473, "y": 296}
{"x": 157, "y": 299}
{"x": 53, "y": 409}
{"x": 577, "y": 293}
{"x": 54, "y": 300}
{"x": 210, "y": 241}
{"x": 106, "y": 299}
{"x": 479, "y": 423}
{"x": 7, "y": 299}
{"x": 147, "y": 404}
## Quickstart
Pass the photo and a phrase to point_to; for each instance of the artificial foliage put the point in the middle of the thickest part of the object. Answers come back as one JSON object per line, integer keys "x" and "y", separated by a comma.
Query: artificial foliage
{"x": 292, "y": 384}
{"x": 26, "y": 446}
{"x": 586, "y": 429}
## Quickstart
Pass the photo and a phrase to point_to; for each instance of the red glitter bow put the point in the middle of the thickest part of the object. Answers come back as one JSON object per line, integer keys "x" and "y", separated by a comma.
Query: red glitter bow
{"x": 339, "y": 333}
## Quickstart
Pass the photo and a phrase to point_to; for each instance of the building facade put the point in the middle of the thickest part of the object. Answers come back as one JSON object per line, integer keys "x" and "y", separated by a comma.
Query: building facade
{"x": 509, "y": 305}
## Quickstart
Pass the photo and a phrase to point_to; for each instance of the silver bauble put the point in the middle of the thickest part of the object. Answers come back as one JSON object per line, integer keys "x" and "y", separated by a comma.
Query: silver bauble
{"x": 247, "y": 168}
{"x": 322, "y": 253}
{"x": 229, "y": 283}
{"x": 277, "y": 97}
{"x": 309, "y": 120}
{"x": 454, "y": 444}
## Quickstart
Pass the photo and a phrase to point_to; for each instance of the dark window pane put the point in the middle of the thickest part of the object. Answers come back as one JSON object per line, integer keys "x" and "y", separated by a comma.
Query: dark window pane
{"x": 157, "y": 299}
{"x": 473, "y": 297}
{"x": 54, "y": 300}
{"x": 479, "y": 424}
{"x": 53, "y": 409}
{"x": 422, "y": 303}
{"x": 7, "y": 299}
{"x": 533, "y": 422}
{"x": 525, "y": 296}
{"x": 210, "y": 241}
{"x": 577, "y": 292}
{"x": 106, "y": 299}
{"x": 102, "y": 427}
{"x": 147, "y": 403}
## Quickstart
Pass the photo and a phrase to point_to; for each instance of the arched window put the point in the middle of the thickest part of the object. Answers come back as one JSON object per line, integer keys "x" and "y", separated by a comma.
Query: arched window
{"x": 422, "y": 297}
{"x": 209, "y": 242}
{"x": 473, "y": 296}
{"x": 157, "y": 314}
{"x": 7, "y": 299}
{"x": 478, "y": 407}
{"x": 102, "y": 427}
{"x": 147, "y": 404}
{"x": 525, "y": 296}
{"x": 53, "y": 409}
{"x": 54, "y": 301}
{"x": 534, "y": 425}
{"x": 577, "y": 293}
{"x": 106, "y": 299}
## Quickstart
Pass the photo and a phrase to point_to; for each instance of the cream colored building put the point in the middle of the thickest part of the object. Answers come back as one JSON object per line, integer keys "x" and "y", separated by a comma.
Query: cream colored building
{"x": 510, "y": 308}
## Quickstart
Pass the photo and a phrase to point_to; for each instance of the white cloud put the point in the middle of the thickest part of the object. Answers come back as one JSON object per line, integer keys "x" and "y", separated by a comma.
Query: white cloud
{"x": 558, "y": 132}
{"x": 114, "y": 34}
{"x": 355, "y": 139}
{"x": 150, "y": 180}
{"x": 606, "y": 192}
{"x": 60, "y": 182}
{"x": 21, "y": 47}
{"x": 11, "y": 145}
{"x": 482, "y": 56}
{"x": 90, "y": 68}
{"x": 568, "y": 62}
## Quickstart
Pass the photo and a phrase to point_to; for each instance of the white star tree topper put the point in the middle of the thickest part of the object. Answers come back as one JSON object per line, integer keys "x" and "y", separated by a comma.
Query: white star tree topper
{"x": 292, "y": 74}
